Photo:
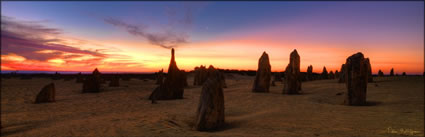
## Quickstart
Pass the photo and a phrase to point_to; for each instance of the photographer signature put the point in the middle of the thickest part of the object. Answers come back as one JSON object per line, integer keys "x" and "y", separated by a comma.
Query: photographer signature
{"x": 402, "y": 131}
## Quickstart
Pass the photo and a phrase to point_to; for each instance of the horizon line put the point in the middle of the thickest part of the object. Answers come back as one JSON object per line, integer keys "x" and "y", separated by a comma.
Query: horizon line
{"x": 126, "y": 72}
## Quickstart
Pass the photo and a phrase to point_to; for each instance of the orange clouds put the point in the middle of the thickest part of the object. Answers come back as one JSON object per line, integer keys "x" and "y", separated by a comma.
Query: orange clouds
{"x": 55, "y": 52}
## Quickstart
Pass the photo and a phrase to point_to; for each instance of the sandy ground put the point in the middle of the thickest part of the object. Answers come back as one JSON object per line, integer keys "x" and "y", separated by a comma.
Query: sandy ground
{"x": 396, "y": 109}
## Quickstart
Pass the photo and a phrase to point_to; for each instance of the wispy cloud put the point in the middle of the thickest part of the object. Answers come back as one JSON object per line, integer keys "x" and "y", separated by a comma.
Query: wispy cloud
{"x": 30, "y": 45}
{"x": 174, "y": 34}
{"x": 168, "y": 39}
{"x": 28, "y": 38}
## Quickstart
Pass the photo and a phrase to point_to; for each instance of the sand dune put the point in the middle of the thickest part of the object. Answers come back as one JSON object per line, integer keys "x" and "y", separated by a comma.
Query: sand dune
{"x": 394, "y": 103}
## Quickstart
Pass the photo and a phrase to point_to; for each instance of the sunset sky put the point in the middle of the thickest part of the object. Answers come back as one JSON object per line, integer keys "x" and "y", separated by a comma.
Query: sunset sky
{"x": 138, "y": 36}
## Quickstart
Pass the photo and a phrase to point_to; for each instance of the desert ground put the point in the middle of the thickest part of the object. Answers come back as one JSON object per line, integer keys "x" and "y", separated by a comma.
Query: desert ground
{"x": 396, "y": 108}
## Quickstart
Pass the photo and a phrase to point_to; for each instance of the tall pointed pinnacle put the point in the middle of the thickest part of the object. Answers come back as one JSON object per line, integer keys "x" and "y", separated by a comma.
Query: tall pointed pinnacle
{"x": 264, "y": 56}
{"x": 295, "y": 51}
{"x": 263, "y": 75}
{"x": 172, "y": 53}
{"x": 292, "y": 74}
{"x": 173, "y": 64}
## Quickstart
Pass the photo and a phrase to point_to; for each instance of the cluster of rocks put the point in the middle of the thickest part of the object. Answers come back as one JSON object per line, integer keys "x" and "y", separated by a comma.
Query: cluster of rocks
{"x": 310, "y": 76}
{"x": 355, "y": 73}
{"x": 202, "y": 74}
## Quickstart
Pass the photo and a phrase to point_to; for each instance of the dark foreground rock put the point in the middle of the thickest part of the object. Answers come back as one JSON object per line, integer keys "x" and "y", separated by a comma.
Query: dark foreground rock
{"x": 263, "y": 76}
{"x": 210, "y": 112}
{"x": 46, "y": 95}
{"x": 356, "y": 72}
{"x": 292, "y": 82}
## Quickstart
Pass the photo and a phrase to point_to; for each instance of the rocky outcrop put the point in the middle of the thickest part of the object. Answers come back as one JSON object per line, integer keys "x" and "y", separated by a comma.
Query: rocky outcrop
{"x": 292, "y": 82}
{"x": 92, "y": 82}
{"x": 310, "y": 73}
{"x": 392, "y": 72}
{"x": 46, "y": 95}
{"x": 325, "y": 73}
{"x": 173, "y": 86}
{"x": 380, "y": 73}
{"x": 263, "y": 75}
{"x": 356, "y": 72}
{"x": 210, "y": 112}
{"x": 331, "y": 75}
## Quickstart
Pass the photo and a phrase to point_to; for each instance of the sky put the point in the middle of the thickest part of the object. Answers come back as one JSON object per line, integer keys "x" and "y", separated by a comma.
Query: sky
{"x": 138, "y": 36}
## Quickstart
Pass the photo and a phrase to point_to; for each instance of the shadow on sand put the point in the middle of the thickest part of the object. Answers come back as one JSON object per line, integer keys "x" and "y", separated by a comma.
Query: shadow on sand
{"x": 371, "y": 103}
{"x": 10, "y": 129}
